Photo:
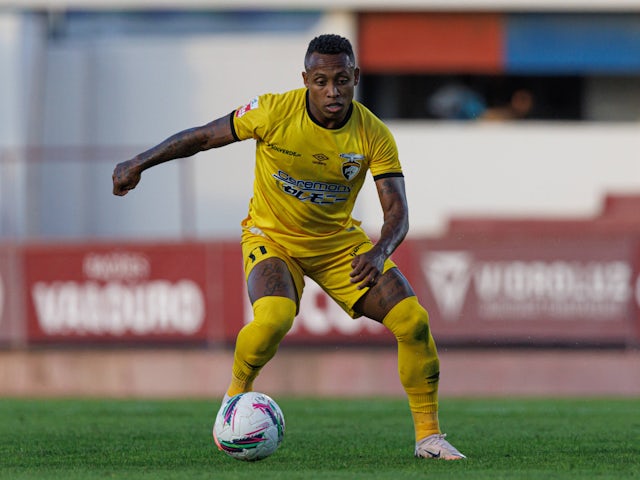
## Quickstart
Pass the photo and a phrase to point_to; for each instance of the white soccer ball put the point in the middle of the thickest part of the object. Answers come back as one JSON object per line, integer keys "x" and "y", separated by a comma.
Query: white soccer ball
{"x": 249, "y": 426}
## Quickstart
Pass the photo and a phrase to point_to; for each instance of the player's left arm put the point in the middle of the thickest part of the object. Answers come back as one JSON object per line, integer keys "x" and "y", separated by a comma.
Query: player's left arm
{"x": 393, "y": 198}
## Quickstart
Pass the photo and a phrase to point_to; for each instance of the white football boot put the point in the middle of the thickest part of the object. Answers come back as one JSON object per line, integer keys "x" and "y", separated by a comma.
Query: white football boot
{"x": 435, "y": 446}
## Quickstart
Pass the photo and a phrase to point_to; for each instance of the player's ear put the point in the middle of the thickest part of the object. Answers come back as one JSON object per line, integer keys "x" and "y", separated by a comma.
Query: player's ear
{"x": 305, "y": 79}
{"x": 356, "y": 76}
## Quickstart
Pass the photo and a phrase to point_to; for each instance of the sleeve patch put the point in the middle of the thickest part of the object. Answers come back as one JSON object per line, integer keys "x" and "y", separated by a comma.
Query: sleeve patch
{"x": 252, "y": 105}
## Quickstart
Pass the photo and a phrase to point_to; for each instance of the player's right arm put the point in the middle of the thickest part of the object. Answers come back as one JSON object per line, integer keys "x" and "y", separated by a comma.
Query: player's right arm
{"x": 183, "y": 144}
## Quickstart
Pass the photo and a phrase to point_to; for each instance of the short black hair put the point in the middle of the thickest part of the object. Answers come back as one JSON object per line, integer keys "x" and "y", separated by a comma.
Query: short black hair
{"x": 330, "y": 44}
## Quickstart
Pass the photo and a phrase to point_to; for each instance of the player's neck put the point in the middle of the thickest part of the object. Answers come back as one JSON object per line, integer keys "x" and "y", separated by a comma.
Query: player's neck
{"x": 325, "y": 122}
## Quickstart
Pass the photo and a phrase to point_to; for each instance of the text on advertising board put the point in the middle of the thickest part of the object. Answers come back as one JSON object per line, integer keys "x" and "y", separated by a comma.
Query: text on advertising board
{"x": 519, "y": 289}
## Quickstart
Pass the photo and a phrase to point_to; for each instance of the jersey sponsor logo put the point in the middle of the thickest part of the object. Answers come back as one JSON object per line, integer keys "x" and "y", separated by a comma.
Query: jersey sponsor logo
{"x": 351, "y": 165}
{"x": 283, "y": 150}
{"x": 252, "y": 105}
{"x": 312, "y": 191}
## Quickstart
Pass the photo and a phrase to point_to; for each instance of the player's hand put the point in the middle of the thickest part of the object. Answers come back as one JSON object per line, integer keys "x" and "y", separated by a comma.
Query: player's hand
{"x": 125, "y": 177}
{"x": 367, "y": 268}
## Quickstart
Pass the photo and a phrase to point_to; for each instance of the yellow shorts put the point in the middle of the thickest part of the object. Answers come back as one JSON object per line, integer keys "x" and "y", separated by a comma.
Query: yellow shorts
{"x": 330, "y": 271}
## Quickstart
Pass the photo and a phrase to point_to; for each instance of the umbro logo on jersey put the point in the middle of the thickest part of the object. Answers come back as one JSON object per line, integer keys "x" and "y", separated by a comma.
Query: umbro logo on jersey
{"x": 351, "y": 165}
{"x": 320, "y": 159}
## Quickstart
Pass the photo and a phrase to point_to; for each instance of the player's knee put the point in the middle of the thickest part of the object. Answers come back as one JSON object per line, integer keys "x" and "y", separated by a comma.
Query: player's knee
{"x": 274, "y": 317}
{"x": 415, "y": 327}
{"x": 409, "y": 321}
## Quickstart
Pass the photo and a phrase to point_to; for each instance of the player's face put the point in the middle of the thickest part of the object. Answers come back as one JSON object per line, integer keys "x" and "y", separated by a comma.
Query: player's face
{"x": 331, "y": 80}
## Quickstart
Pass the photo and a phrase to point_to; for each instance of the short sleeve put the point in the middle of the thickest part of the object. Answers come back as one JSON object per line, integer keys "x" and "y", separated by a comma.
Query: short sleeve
{"x": 384, "y": 153}
{"x": 249, "y": 120}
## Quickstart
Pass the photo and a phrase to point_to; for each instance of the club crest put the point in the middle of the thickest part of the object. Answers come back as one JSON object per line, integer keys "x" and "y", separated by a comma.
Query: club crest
{"x": 351, "y": 164}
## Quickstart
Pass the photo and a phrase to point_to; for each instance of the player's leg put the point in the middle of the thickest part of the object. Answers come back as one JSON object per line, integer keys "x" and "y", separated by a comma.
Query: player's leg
{"x": 273, "y": 291}
{"x": 392, "y": 301}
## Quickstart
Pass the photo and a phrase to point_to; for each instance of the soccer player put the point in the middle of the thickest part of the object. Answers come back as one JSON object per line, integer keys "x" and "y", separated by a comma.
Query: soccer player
{"x": 314, "y": 146}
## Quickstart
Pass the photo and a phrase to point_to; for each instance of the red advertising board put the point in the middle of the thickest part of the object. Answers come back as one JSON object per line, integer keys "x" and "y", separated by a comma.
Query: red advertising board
{"x": 123, "y": 293}
{"x": 568, "y": 290}
{"x": 149, "y": 293}
{"x": 4, "y": 310}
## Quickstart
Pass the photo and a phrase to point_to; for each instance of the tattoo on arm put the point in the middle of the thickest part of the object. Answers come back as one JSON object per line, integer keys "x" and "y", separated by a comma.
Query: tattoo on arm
{"x": 387, "y": 188}
{"x": 182, "y": 145}
{"x": 188, "y": 142}
{"x": 394, "y": 206}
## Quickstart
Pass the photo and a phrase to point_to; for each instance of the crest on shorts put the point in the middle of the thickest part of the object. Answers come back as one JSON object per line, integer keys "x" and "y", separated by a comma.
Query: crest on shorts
{"x": 351, "y": 164}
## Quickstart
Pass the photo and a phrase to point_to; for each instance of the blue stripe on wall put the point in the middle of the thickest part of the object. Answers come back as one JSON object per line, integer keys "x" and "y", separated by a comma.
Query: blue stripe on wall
{"x": 90, "y": 24}
{"x": 572, "y": 43}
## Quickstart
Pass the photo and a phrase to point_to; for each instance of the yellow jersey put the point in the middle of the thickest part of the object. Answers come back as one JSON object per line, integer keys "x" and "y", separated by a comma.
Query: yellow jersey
{"x": 307, "y": 177}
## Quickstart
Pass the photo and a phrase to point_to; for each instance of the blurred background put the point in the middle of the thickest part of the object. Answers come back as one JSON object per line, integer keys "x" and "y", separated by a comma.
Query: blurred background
{"x": 518, "y": 125}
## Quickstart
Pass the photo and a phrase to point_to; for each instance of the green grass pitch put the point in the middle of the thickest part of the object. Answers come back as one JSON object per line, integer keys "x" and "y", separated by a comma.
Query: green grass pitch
{"x": 325, "y": 439}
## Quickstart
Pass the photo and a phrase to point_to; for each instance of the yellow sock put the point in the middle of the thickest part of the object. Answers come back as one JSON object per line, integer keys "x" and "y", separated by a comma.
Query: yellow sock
{"x": 418, "y": 363}
{"x": 425, "y": 424}
{"x": 258, "y": 341}
{"x": 239, "y": 386}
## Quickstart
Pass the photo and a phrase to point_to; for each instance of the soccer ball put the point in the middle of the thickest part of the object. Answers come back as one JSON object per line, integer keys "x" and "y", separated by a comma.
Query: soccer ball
{"x": 249, "y": 426}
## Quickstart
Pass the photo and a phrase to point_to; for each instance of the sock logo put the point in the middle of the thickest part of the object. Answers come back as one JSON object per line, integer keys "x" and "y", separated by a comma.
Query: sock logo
{"x": 448, "y": 275}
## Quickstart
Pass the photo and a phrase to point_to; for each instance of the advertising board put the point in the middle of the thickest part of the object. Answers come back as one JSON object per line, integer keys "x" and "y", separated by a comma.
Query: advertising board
{"x": 123, "y": 293}
{"x": 566, "y": 290}
{"x": 577, "y": 291}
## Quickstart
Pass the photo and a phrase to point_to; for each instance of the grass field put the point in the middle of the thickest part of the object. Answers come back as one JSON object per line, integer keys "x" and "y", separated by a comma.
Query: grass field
{"x": 325, "y": 439}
